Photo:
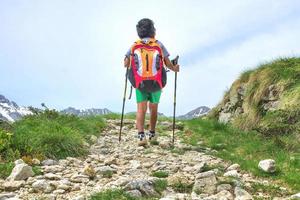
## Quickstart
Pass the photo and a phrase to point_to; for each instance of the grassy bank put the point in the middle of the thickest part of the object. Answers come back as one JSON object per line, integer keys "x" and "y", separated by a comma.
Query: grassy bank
{"x": 46, "y": 135}
{"x": 248, "y": 148}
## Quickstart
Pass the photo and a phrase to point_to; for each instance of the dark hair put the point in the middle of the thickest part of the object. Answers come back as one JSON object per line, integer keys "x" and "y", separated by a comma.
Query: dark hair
{"x": 145, "y": 28}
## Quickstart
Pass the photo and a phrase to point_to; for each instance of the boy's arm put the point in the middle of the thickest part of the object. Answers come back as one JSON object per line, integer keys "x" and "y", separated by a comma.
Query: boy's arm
{"x": 170, "y": 65}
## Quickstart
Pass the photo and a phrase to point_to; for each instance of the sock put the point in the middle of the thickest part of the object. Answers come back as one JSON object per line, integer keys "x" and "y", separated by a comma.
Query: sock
{"x": 141, "y": 135}
{"x": 152, "y": 133}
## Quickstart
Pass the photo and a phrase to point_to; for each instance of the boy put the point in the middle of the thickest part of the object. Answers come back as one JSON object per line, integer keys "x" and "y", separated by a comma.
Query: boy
{"x": 146, "y": 31}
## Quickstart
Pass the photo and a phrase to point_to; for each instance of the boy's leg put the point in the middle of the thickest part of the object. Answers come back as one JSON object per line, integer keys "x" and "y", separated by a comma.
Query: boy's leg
{"x": 140, "y": 115}
{"x": 153, "y": 115}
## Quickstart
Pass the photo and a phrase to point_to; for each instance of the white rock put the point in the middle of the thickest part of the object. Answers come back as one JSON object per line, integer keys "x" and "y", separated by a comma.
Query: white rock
{"x": 5, "y": 196}
{"x": 36, "y": 161}
{"x": 49, "y": 162}
{"x": 21, "y": 172}
{"x": 18, "y": 162}
{"x": 135, "y": 164}
{"x": 52, "y": 176}
{"x": 241, "y": 194}
{"x": 80, "y": 197}
{"x": 93, "y": 139}
{"x": 234, "y": 167}
{"x": 13, "y": 185}
{"x": 59, "y": 191}
{"x": 232, "y": 173}
{"x": 295, "y": 196}
{"x": 40, "y": 185}
{"x": 267, "y": 165}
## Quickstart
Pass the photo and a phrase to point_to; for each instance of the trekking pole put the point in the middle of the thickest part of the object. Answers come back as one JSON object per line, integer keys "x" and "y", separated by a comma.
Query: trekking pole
{"x": 122, "y": 116}
{"x": 175, "y": 61}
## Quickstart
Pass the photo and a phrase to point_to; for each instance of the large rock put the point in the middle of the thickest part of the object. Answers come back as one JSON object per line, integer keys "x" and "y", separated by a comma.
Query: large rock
{"x": 105, "y": 170}
{"x": 13, "y": 185}
{"x": 295, "y": 196}
{"x": 42, "y": 186}
{"x": 222, "y": 195}
{"x": 232, "y": 173}
{"x": 267, "y": 165}
{"x": 20, "y": 172}
{"x": 49, "y": 162}
{"x": 224, "y": 117}
{"x": 241, "y": 194}
{"x": 5, "y": 196}
{"x": 205, "y": 183}
{"x": 144, "y": 186}
{"x": 178, "y": 178}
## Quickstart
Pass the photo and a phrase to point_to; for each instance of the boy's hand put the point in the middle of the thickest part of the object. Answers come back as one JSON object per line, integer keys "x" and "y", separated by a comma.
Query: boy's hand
{"x": 176, "y": 68}
{"x": 126, "y": 62}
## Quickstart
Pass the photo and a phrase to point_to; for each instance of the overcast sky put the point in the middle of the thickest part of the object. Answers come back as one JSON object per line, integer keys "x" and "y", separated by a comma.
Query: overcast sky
{"x": 70, "y": 52}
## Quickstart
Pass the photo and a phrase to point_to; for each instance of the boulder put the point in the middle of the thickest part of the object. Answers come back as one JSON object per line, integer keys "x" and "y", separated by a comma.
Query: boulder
{"x": 49, "y": 162}
{"x": 13, "y": 185}
{"x": 234, "y": 167}
{"x": 295, "y": 196}
{"x": 232, "y": 173}
{"x": 205, "y": 183}
{"x": 267, "y": 165}
{"x": 20, "y": 172}
{"x": 144, "y": 186}
{"x": 241, "y": 194}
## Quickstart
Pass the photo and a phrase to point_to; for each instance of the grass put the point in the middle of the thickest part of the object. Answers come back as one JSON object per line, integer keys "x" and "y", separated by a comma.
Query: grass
{"x": 5, "y": 169}
{"x": 247, "y": 148}
{"x": 284, "y": 75}
{"x": 182, "y": 187}
{"x": 160, "y": 185}
{"x": 119, "y": 194}
{"x": 107, "y": 174}
{"x": 47, "y": 134}
{"x": 275, "y": 191}
{"x": 116, "y": 194}
{"x": 160, "y": 174}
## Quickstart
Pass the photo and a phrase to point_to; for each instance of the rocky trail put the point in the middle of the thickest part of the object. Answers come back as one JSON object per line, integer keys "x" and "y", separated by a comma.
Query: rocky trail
{"x": 190, "y": 173}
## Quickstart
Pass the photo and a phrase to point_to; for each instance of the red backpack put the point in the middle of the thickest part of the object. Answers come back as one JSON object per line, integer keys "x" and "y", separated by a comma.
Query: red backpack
{"x": 147, "y": 72}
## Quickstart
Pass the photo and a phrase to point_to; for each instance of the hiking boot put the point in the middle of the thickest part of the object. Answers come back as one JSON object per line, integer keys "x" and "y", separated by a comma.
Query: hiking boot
{"x": 142, "y": 139}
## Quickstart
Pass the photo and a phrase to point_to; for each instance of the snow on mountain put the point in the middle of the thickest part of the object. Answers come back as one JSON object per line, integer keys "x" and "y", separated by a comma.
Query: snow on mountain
{"x": 85, "y": 112}
{"x": 10, "y": 111}
{"x": 198, "y": 112}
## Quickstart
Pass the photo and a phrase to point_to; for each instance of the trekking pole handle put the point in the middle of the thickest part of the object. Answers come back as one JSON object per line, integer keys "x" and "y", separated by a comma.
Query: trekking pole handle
{"x": 175, "y": 60}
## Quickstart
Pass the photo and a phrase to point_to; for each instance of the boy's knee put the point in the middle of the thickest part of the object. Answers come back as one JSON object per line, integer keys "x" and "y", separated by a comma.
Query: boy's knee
{"x": 153, "y": 108}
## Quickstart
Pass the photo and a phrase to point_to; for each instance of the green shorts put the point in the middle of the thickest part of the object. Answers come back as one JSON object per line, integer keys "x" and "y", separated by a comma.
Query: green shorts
{"x": 153, "y": 97}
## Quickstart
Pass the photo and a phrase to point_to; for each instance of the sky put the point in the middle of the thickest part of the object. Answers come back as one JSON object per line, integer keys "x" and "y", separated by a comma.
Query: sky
{"x": 70, "y": 52}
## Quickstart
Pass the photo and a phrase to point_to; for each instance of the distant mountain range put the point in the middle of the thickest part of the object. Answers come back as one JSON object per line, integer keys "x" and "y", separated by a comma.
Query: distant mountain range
{"x": 86, "y": 112}
{"x": 198, "y": 112}
{"x": 10, "y": 111}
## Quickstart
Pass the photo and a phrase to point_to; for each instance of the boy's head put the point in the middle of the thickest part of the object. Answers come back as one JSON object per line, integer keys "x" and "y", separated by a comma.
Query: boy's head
{"x": 145, "y": 28}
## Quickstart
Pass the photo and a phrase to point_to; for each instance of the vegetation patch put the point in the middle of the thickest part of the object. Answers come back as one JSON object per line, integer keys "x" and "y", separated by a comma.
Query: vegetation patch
{"x": 182, "y": 187}
{"x": 112, "y": 195}
{"x": 160, "y": 185}
{"x": 46, "y": 134}
{"x": 249, "y": 147}
{"x": 160, "y": 174}
{"x": 5, "y": 169}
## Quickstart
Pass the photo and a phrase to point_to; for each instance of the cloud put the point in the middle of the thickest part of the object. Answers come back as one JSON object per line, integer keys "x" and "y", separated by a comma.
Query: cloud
{"x": 70, "y": 53}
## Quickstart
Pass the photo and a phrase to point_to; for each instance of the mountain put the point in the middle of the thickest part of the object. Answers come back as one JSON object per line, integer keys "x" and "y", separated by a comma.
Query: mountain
{"x": 85, "y": 112}
{"x": 10, "y": 111}
{"x": 198, "y": 112}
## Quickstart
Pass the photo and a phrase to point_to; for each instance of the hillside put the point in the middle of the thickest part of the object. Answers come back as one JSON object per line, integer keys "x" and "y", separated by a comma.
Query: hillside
{"x": 266, "y": 99}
